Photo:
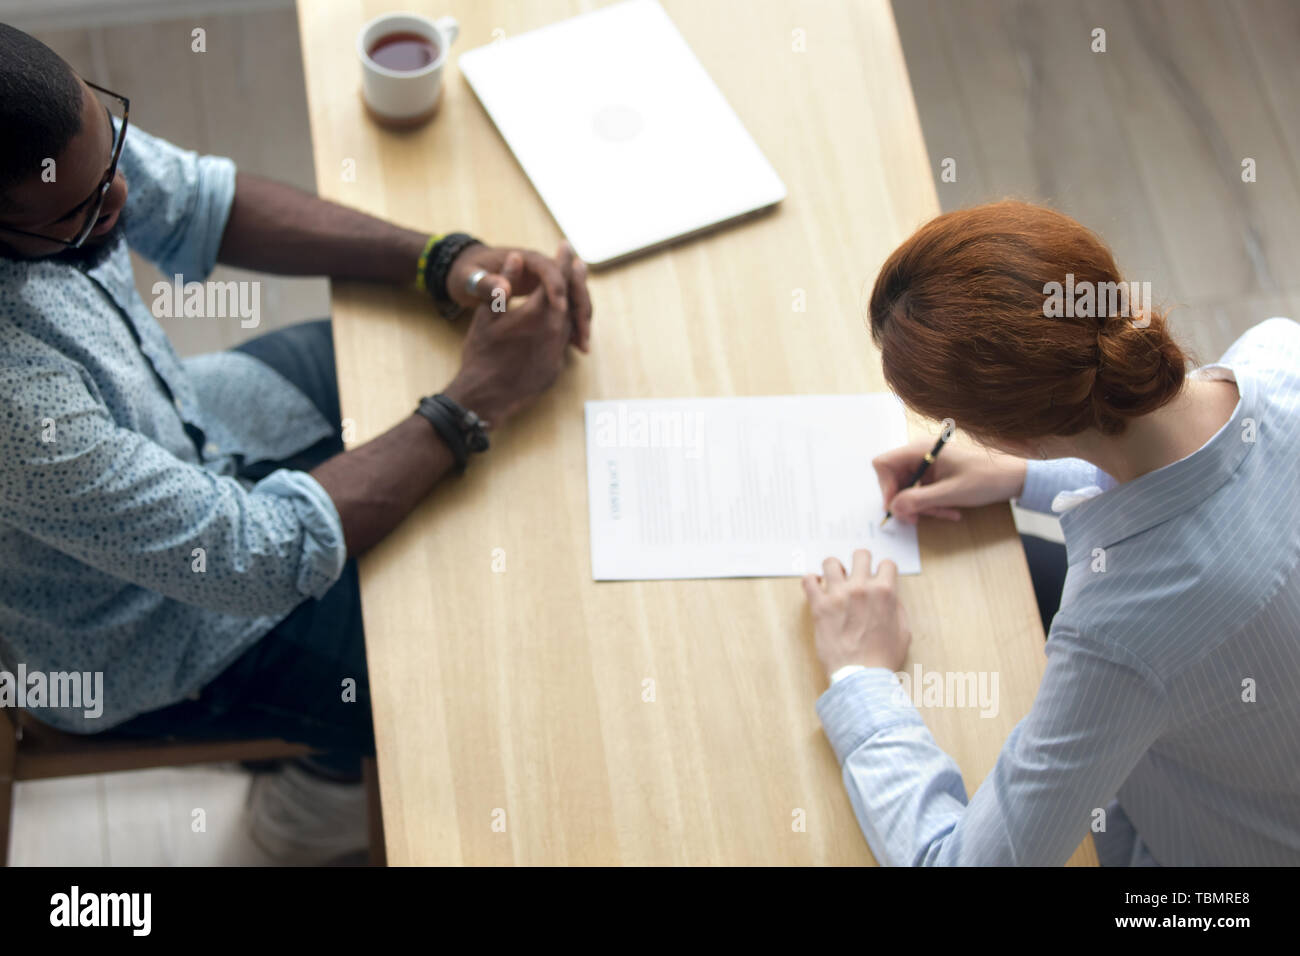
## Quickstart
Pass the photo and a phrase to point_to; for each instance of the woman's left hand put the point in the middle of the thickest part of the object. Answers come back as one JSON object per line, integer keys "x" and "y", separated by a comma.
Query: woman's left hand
{"x": 857, "y": 617}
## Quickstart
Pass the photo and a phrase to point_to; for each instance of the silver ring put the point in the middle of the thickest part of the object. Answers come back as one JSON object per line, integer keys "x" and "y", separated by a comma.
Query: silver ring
{"x": 475, "y": 277}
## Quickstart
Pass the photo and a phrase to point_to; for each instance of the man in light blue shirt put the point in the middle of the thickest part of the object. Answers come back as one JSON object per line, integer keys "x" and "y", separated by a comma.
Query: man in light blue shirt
{"x": 1168, "y": 712}
{"x": 183, "y": 528}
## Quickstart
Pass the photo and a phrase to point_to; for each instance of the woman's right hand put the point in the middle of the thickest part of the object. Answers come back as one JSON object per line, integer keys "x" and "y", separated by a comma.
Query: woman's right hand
{"x": 961, "y": 477}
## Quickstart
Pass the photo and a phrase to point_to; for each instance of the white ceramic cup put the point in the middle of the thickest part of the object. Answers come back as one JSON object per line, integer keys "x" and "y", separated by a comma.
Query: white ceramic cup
{"x": 399, "y": 98}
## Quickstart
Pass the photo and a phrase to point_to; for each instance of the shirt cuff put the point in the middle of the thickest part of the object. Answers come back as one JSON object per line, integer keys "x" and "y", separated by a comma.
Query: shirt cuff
{"x": 212, "y": 212}
{"x": 1044, "y": 479}
{"x": 860, "y": 705}
{"x": 845, "y": 671}
{"x": 324, "y": 550}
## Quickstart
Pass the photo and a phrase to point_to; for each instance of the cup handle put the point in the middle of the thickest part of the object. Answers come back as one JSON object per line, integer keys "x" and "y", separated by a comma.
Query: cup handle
{"x": 449, "y": 28}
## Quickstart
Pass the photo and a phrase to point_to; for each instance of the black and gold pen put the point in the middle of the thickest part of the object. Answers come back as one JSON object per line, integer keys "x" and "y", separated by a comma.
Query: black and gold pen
{"x": 926, "y": 462}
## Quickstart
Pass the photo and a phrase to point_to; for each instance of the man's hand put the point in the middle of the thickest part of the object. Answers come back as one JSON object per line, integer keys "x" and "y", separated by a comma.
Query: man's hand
{"x": 565, "y": 291}
{"x": 276, "y": 228}
{"x": 511, "y": 357}
{"x": 858, "y": 619}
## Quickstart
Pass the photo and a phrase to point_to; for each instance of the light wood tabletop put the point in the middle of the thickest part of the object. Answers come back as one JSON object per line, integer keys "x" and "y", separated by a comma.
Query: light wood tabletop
{"x": 524, "y": 713}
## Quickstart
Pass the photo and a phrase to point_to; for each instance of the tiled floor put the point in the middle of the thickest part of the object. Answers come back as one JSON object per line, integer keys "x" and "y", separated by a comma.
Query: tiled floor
{"x": 1143, "y": 143}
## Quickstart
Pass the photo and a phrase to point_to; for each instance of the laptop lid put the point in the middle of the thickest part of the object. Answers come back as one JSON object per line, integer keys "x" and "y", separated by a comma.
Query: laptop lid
{"x": 622, "y": 132}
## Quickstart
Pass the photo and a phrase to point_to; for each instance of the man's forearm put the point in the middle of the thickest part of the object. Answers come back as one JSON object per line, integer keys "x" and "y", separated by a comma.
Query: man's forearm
{"x": 376, "y": 485}
{"x": 279, "y": 229}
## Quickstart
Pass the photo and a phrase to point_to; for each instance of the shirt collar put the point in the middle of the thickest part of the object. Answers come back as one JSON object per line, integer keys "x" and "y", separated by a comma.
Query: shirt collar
{"x": 1100, "y": 520}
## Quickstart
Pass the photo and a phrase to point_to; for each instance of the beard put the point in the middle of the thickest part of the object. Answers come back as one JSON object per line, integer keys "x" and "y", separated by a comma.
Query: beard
{"x": 93, "y": 252}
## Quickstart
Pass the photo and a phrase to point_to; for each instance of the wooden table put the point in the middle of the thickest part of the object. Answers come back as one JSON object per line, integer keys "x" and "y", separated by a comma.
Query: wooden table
{"x": 509, "y": 688}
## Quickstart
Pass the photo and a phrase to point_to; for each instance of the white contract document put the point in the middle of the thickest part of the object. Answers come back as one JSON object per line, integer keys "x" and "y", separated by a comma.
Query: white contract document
{"x": 740, "y": 487}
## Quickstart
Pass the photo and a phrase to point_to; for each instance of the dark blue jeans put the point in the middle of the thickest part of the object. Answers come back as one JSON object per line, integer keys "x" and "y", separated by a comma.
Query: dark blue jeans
{"x": 1047, "y": 567}
{"x": 290, "y": 684}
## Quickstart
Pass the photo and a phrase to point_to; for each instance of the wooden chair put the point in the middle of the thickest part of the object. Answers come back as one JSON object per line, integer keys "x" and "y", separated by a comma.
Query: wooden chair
{"x": 31, "y": 751}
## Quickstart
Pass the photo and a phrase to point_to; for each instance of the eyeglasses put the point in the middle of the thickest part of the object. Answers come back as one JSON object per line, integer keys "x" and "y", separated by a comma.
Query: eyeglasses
{"x": 95, "y": 201}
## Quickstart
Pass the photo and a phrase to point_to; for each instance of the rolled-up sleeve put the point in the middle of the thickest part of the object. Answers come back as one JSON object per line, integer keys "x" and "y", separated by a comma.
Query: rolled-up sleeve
{"x": 177, "y": 204}
{"x": 117, "y": 501}
{"x": 324, "y": 550}
{"x": 1044, "y": 480}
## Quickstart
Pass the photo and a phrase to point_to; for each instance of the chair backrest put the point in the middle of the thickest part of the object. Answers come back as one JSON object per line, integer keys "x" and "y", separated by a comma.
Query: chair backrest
{"x": 8, "y": 766}
{"x": 8, "y": 760}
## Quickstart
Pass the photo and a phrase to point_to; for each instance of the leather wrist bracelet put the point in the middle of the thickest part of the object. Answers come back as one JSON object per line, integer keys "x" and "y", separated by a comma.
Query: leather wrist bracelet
{"x": 461, "y": 429}
{"x": 437, "y": 266}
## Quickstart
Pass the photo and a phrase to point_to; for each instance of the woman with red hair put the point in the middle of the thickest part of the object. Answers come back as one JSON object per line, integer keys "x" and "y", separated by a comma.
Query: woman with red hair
{"x": 1167, "y": 721}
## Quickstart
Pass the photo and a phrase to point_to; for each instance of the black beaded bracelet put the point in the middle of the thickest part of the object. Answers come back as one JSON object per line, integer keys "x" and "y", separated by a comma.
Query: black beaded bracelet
{"x": 438, "y": 266}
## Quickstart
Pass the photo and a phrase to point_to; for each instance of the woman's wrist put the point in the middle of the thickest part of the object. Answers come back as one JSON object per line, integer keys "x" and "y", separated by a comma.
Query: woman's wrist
{"x": 1007, "y": 477}
{"x": 1017, "y": 470}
